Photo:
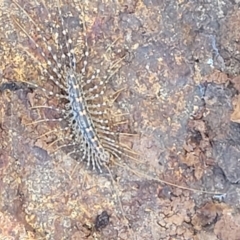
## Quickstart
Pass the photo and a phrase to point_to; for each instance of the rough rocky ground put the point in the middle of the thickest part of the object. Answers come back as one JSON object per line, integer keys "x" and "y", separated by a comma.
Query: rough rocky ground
{"x": 182, "y": 95}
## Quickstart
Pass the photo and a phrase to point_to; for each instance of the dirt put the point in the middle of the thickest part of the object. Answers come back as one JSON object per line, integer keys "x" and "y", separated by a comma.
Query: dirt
{"x": 181, "y": 92}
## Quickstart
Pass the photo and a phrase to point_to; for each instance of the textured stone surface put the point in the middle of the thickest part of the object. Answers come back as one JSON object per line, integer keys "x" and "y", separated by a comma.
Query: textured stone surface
{"x": 181, "y": 93}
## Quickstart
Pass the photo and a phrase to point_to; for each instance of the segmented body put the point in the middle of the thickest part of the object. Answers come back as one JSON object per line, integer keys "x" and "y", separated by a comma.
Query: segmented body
{"x": 83, "y": 123}
{"x": 82, "y": 85}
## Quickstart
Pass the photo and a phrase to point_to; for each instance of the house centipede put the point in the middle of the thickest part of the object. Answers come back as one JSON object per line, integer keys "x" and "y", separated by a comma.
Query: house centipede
{"x": 82, "y": 90}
